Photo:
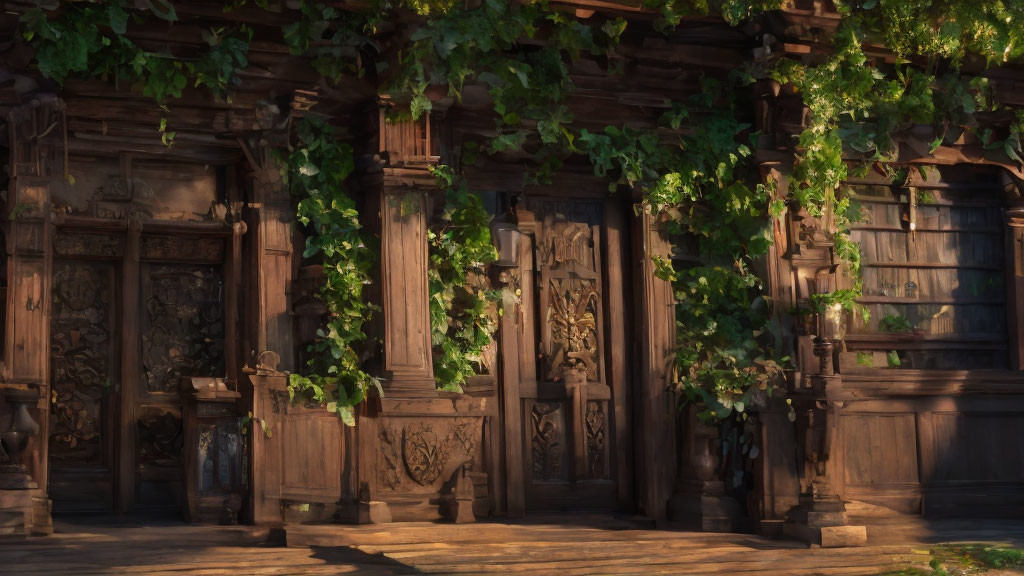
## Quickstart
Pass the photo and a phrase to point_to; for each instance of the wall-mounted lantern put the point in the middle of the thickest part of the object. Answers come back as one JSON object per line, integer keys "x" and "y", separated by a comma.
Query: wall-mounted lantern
{"x": 506, "y": 236}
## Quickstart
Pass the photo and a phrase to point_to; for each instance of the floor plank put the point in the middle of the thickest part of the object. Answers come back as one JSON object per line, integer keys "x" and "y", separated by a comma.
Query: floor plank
{"x": 540, "y": 546}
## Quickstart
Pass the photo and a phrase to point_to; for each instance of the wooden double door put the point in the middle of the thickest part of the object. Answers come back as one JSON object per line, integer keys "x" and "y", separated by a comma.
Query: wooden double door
{"x": 117, "y": 373}
{"x": 574, "y": 354}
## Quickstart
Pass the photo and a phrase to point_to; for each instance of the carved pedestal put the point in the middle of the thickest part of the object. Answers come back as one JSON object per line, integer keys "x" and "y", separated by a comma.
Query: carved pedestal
{"x": 820, "y": 517}
{"x": 699, "y": 501}
{"x": 417, "y": 459}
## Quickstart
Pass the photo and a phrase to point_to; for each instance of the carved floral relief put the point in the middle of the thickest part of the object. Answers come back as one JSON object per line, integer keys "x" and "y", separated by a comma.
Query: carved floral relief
{"x": 572, "y": 317}
{"x": 547, "y": 441}
{"x": 184, "y": 328}
{"x": 422, "y": 451}
{"x": 595, "y": 430}
{"x": 80, "y": 360}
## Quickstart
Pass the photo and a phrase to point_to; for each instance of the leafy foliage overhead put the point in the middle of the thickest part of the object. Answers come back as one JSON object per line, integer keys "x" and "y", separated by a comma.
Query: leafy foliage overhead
{"x": 692, "y": 173}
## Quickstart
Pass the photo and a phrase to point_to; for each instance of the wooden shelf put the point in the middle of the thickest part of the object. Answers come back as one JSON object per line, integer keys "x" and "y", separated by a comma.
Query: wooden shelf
{"x": 909, "y": 341}
{"x": 952, "y": 301}
{"x": 933, "y": 265}
{"x": 869, "y": 228}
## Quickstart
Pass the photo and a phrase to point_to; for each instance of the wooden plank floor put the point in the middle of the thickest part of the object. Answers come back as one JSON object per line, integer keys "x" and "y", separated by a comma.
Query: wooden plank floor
{"x": 564, "y": 546}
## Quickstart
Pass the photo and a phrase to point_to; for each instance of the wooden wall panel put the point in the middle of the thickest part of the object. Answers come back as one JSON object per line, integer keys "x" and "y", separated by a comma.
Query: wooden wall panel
{"x": 978, "y": 447}
{"x": 880, "y": 448}
{"x": 297, "y": 453}
{"x": 945, "y": 278}
{"x": 311, "y": 449}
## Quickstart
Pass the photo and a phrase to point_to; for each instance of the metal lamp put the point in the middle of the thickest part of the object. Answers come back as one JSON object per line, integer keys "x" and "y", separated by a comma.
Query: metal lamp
{"x": 505, "y": 235}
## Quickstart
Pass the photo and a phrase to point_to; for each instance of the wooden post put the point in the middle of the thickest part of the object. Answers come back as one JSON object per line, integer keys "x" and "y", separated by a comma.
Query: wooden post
{"x": 131, "y": 351}
{"x": 269, "y": 278}
{"x": 232, "y": 277}
{"x": 655, "y": 404}
{"x": 619, "y": 350}
{"x": 515, "y": 503}
{"x": 1015, "y": 279}
{"x": 29, "y": 277}
{"x": 408, "y": 366}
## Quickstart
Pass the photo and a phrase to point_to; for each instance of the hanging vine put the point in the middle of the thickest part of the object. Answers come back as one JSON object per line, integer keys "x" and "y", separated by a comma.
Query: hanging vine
{"x": 315, "y": 171}
{"x": 725, "y": 359}
{"x": 695, "y": 180}
{"x": 461, "y": 302}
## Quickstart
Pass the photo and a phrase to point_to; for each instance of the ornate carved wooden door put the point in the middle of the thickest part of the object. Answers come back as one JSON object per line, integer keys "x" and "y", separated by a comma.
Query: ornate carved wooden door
{"x": 182, "y": 329}
{"x": 574, "y": 397}
{"x": 84, "y": 377}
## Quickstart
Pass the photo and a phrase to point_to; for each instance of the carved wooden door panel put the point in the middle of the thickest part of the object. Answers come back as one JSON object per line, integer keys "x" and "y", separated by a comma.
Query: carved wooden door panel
{"x": 182, "y": 328}
{"x": 567, "y": 397}
{"x": 84, "y": 376}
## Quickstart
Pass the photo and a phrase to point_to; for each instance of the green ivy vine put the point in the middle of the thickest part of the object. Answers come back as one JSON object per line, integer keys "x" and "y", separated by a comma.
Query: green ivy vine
{"x": 695, "y": 183}
{"x": 314, "y": 171}
{"x": 73, "y": 40}
{"x": 461, "y": 301}
{"x": 692, "y": 173}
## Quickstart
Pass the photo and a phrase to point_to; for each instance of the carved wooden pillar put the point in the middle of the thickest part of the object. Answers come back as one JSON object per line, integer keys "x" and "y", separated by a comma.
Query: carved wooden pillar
{"x": 776, "y": 483}
{"x": 655, "y": 403}
{"x": 269, "y": 266}
{"x": 416, "y": 447}
{"x": 820, "y": 517}
{"x": 404, "y": 188}
{"x": 37, "y": 164}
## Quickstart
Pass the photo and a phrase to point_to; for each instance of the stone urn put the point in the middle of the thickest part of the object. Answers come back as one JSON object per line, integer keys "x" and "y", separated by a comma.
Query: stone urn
{"x": 13, "y": 472}
{"x": 704, "y": 458}
{"x": 699, "y": 501}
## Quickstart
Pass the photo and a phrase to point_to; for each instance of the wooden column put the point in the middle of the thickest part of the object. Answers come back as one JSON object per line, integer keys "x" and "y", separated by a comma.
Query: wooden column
{"x": 269, "y": 263}
{"x": 232, "y": 278}
{"x": 619, "y": 351}
{"x": 518, "y": 355}
{"x": 36, "y": 163}
{"x": 131, "y": 361}
{"x": 655, "y": 404}
{"x": 408, "y": 367}
{"x": 1015, "y": 280}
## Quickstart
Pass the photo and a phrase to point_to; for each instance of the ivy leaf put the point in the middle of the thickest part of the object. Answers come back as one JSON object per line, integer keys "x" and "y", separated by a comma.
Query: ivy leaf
{"x": 522, "y": 72}
{"x": 118, "y": 19}
{"x": 309, "y": 170}
{"x": 162, "y": 9}
{"x": 347, "y": 415}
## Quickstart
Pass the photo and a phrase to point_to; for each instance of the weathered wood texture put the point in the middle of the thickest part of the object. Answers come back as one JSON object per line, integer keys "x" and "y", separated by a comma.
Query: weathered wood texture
{"x": 655, "y": 407}
{"x": 297, "y": 456}
{"x": 588, "y": 546}
{"x": 923, "y": 436}
{"x": 945, "y": 279}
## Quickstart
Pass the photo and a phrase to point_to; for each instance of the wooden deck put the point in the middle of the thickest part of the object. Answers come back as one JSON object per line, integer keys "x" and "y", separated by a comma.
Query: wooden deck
{"x": 572, "y": 546}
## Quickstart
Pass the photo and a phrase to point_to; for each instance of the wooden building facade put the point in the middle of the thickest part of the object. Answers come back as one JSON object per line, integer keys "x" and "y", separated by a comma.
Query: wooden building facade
{"x": 132, "y": 268}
